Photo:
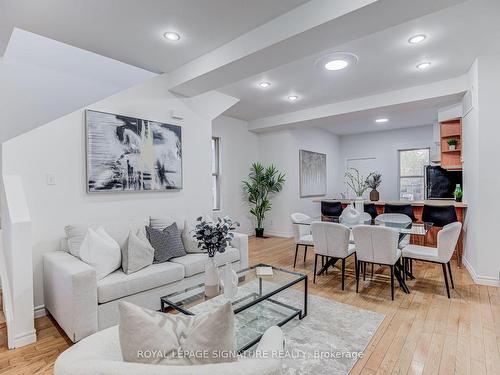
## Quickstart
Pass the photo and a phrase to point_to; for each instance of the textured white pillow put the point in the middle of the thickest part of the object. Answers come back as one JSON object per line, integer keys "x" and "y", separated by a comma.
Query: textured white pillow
{"x": 138, "y": 254}
{"x": 100, "y": 251}
{"x": 190, "y": 243}
{"x": 147, "y": 331}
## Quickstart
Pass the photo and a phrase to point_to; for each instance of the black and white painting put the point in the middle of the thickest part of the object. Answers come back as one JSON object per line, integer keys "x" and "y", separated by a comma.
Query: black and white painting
{"x": 312, "y": 173}
{"x": 131, "y": 154}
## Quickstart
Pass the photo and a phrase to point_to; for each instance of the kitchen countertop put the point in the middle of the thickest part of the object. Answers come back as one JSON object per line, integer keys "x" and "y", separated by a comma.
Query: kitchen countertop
{"x": 433, "y": 202}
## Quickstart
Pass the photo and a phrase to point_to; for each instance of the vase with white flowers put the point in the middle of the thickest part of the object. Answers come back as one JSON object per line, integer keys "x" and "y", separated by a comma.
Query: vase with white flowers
{"x": 358, "y": 184}
{"x": 213, "y": 237}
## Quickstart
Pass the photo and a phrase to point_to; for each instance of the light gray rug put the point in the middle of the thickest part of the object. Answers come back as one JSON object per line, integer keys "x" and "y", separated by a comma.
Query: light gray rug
{"x": 327, "y": 341}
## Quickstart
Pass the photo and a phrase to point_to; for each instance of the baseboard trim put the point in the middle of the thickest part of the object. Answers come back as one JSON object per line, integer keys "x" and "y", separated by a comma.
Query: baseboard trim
{"x": 481, "y": 280}
{"x": 277, "y": 234}
{"x": 24, "y": 339}
{"x": 40, "y": 311}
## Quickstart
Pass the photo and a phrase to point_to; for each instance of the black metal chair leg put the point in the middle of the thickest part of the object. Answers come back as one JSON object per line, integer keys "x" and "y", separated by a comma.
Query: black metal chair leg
{"x": 411, "y": 266}
{"x": 451, "y": 276}
{"x": 343, "y": 273}
{"x": 315, "y": 267}
{"x": 305, "y": 253}
{"x": 364, "y": 271}
{"x": 355, "y": 264}
{"x": 446, "y": 280}
{"x": 392, "y": 282}
{"x": 372, "y": 270}
{"x": 296, "y": 251}
{"x": 358, "y": 265}
{"x": 322, "y": 261}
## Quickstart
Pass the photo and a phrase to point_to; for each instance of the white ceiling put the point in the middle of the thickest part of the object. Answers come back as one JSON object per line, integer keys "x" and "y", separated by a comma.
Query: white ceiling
{"x": 405, "y": 115}
{"x": 387, "y": 62}
{"x": 131, "y": 30}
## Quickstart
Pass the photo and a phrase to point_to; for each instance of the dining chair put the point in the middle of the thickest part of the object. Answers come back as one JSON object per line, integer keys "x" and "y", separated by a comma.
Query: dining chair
{"x": 331, "y": 240}
{"x": 377, "y": 244}
{"x": 406, "y": 209}
{"x": 331, "y": 208}
{"x": 446, "y": 241}
{"x": 301, "y": 234}
{"x": 439, "y": 216}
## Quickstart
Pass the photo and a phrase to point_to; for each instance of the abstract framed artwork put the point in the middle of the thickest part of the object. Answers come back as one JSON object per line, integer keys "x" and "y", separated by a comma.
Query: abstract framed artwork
{"x": 312, "y": 172}
{"x": 130, "y": 154}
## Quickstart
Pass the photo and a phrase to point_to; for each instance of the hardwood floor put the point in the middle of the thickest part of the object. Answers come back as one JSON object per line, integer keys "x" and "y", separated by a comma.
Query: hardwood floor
{"x": 423, "y": 332}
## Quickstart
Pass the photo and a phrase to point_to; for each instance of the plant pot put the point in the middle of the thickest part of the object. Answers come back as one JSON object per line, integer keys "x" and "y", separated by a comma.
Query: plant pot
{"x": 211, "y": 278}
{"x": 259, "y": 232}
{"x": 374, "y": 195}
{"x": 452, "y": 147}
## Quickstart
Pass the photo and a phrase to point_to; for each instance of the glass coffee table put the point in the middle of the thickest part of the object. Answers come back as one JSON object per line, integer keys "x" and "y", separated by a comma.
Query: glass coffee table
{"x": 261, "y": 302}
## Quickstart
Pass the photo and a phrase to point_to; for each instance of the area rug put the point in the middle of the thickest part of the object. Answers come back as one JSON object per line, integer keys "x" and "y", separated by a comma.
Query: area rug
{"x": 329, "y": 340}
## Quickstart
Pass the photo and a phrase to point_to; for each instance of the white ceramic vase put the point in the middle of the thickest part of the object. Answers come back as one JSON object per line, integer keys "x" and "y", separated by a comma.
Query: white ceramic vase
{"x": 359, "y": 205}
{"x": 211, "y": 278}
{"x": 229, "y": 281}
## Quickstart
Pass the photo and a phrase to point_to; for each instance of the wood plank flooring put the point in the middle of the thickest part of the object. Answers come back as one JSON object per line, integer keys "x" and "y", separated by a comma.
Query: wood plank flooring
{"x": 423, "y": 332}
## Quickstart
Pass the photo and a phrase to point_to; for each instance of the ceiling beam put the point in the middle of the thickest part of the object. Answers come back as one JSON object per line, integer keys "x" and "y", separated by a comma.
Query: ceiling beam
{"x": 308, "y": 29}
{"x": 309, "y": 116}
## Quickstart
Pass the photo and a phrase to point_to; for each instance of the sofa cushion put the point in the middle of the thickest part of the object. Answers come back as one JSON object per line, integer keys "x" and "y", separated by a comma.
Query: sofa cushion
{"x": 118, "y": 284}
{"x": 195, "y": 263}
{"x": 138, "y": 254}
{"x": 101, "y": 251}
{"x": 167, "y": 243}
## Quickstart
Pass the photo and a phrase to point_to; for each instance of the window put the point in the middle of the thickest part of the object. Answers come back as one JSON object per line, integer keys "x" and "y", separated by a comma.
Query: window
{"x": 215, "y": 173}
{"x": 411, "y": 173}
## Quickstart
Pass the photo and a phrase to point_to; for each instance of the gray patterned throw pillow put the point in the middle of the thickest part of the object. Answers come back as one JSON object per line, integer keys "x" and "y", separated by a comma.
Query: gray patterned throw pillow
{"x": 167, "y": 243}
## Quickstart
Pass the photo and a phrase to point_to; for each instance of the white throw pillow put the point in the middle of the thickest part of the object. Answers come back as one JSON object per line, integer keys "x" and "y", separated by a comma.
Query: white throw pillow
{"x": 138, "y": 254}
{"x": 153, "y": 337}
{"x": 190, "y": 243}
{"x": 100, "y": 251}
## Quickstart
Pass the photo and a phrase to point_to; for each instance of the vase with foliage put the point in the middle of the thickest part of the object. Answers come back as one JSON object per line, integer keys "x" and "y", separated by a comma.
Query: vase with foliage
{"x": 213, "y": 237}
{"x": 358, "y": 184}
{"x": 452, "y": 144}
{"x": 262, "y": 184}
{"x": 373, "y": 183}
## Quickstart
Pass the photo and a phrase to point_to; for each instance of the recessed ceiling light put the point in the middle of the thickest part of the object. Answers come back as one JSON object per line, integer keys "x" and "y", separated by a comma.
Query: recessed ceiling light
{"x": 381, "y": 120}
{"x": 424, "y": 66}
{"x": 417, "y": 39}
{"x": 336, "y": 64}
{"x": 264, "y": 84}
{"x": 170, "y": 35}
{"x": 293, "y": 98}
{"x": 337, "y": 61}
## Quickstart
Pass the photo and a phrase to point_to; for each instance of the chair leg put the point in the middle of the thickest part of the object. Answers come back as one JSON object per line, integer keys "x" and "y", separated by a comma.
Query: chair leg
{"x": 343, "y": 272}
{"x": 446, "y": 280}
{"x": 358, "y": 265}
{"x": 364, "y": 271}
{"x": 372, "y": 270}
{"x": 322, "y": 261}
{"x": 355, "y": 264}
{"x": 411, "y": 266}
{"x": 305, "y": 253}
{"x": 315, "y": 267}
{"x": 392, "y": 282}
{"x": 296, "y": 251}
{"x": 451, "y": 276}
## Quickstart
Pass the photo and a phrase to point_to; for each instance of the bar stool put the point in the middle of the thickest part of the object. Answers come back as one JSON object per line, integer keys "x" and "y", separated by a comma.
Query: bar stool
{"x": 331, "y": 208}
{"x": 439, "y": 215}
{"x": 405, "y": 209}
{"x": 370, "y": 208}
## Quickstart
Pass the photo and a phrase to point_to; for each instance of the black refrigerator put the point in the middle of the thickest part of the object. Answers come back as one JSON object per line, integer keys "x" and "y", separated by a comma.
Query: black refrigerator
{"x": 440, "y": 183}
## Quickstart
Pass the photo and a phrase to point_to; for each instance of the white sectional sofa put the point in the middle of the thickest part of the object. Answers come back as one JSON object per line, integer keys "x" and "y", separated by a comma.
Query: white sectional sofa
{"x": 83, "y": 305}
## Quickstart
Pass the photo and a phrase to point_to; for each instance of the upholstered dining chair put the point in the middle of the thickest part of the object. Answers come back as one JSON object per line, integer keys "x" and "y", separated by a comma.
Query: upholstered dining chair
{"x": 377, "y": 244}
{"x": 405, "y": 209}
{"x": 446, "y": 241}
{"x": 331, "y": 240}
{"x": 301, "y": 234}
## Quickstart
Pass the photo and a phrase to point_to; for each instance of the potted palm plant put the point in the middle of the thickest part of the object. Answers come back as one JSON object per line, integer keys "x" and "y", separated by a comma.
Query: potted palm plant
{"x": 262, "y": 184}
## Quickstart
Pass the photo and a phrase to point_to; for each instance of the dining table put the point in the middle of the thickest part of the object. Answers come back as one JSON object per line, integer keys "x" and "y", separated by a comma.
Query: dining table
{"x": 403, "y": 227}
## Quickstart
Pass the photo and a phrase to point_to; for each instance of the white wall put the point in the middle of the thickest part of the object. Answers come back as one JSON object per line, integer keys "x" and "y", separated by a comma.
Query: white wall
{"x": 281, "y": 148}
{"x": 59, "y": 148}
{"x": 239, "y": 148}
{"x": 383, "y": 146}
{"x": 481, "y": 177}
